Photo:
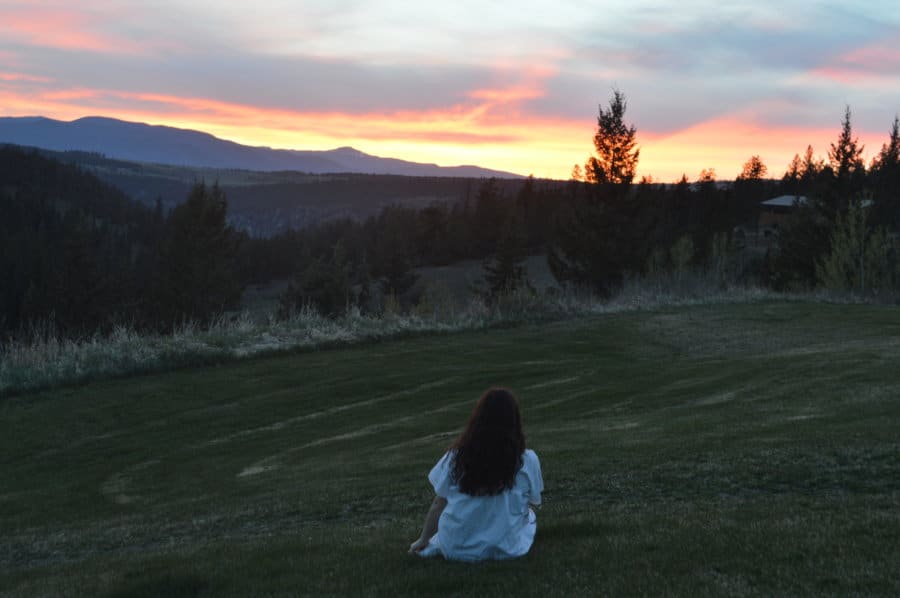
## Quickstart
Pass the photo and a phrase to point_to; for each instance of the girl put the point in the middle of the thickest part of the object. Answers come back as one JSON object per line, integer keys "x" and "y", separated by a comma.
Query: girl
{"x": 485, "y": 487}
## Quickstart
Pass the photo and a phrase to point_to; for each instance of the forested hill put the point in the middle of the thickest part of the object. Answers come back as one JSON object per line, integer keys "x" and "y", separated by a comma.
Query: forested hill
{"x": 71, "y": 246}
{"x": 168, "y": 145}
{"x": 264, "y": 204}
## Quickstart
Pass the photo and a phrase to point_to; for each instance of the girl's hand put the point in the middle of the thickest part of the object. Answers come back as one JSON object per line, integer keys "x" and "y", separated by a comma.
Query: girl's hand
{"x": 417, "y": 546}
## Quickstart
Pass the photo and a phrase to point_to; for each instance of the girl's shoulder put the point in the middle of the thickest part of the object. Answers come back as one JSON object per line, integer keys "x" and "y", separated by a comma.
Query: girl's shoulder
{"x": 530, "y": 459}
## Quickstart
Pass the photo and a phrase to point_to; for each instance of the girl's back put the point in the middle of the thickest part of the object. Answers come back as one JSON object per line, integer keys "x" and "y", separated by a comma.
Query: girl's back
{"x": 484, "y": 486}
{"x": 499, "y": 526}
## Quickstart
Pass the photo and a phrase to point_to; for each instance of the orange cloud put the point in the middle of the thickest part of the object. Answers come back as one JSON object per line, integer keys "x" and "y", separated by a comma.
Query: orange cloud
{"x": 726, "y": 143}
{"x": 531, "y": 86}
{"x": 509, "y": 94}
{"x": 455, "y": 135}
{"x": 460, "y": 134}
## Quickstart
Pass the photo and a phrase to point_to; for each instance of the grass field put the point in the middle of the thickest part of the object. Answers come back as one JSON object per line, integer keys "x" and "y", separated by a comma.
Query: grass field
{"x": 723, "y": 450}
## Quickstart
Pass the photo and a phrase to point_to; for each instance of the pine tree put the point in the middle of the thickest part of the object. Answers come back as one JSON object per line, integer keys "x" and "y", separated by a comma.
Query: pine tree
{"x": 198, "y": 271}
{"x": 616, "y": 156}
{"x": 490, "y": 214}
{"x": 890, "y": 151}
{"x": 581, "y": 254}
{"x": 750, "y": 188}
{"x": 80, "y": 304}
{"x": 591, "y": 242}
{"x": 802, "y": 240}
{"x": 394, "y": 250}
{"x": 811, "y": 168}
{"x": 323, "y": 286}
{"x": 504, "y": 272}
{"x": 845, "y": 159}
{"x": 886, "y": 175}
{"x": 753, "y": 170}
{"x": 432, "y": 244}
{"x": 399, "y": 276}
{"x": 790, "y": 181}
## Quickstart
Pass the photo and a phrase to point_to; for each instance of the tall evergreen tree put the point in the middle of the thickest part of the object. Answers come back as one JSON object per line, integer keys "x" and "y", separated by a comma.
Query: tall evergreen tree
{"x": 490, "y": 214}
{"x": 845, "y": 159}
{"x": 616, "y": 155}
{"x": 886, "y": 175}
{"x": 395, "y": 251}
{"x": 591, "y": 242}
{"x": 793, "y": 175}
{"x": 198, "y": 276}
{"x": 812, "y": 167}
{"x": 432, "y": 243}
{"x": 750, "y": 188}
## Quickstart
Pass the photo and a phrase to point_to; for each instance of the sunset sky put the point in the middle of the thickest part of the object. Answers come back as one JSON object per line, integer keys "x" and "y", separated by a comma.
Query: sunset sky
{"x": 507, "y": 85}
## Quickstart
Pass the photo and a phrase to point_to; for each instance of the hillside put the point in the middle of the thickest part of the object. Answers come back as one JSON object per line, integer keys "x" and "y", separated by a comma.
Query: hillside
{"x": 728, "y": 450}
{"x": 267, "y": 203}
{"x": 141, "y": 142}
{"x": 73, "y": 250}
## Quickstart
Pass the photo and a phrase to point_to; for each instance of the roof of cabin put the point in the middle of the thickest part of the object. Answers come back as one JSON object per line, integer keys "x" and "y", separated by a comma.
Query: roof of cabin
{"x": 785, "y": 201}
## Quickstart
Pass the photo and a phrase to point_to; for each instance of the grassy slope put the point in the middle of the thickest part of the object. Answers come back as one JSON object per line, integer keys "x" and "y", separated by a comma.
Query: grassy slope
{"x": 739, "y": 450}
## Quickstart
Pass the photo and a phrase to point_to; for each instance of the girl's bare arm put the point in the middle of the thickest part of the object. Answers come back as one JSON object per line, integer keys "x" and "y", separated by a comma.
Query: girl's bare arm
{"x": 430, "y": 527}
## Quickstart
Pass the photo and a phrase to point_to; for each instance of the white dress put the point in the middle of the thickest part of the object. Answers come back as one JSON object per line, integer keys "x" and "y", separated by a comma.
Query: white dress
{"x": 475, "y": 528}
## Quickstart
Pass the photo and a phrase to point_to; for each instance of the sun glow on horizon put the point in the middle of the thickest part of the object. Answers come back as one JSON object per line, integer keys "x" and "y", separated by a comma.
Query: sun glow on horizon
{"x": 462, "y": 135}
{"x": 514, "y": 92}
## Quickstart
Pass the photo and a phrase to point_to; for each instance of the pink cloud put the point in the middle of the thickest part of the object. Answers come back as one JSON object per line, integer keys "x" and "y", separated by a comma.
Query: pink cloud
{"x": 874, "y": 61}
{"x": 63, "y": 29}
{"x": 490, "y": 126}
{"x": 23, "y": 77}
{"x": 509, "y": 94}
{"x": 68, "y": 95}
{"x": 507, "y": 101}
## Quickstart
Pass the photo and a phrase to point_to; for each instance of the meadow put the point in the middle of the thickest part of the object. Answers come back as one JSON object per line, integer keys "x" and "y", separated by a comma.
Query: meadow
{"x": 741, "y": 450}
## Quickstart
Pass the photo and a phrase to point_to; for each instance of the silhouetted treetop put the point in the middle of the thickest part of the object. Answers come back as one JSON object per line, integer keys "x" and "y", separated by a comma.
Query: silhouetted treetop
{"x": 753, "y": 170}
{"x": 845, "y": 156}
{"x": 616, "y": 156}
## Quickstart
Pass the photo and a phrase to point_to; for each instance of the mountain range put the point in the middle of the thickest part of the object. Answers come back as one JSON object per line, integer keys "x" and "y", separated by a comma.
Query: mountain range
{"x": 183, "y": 147}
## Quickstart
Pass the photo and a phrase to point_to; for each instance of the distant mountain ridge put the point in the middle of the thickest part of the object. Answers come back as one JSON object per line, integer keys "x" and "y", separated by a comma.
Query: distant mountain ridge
{"x": 184, "y": 147}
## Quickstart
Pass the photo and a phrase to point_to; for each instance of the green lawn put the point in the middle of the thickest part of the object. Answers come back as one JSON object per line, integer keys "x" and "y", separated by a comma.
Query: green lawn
{"x": 736, "y": 450}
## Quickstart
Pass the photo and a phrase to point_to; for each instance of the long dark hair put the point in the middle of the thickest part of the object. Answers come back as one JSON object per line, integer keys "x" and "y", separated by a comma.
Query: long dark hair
{"x": 489, "y": 450}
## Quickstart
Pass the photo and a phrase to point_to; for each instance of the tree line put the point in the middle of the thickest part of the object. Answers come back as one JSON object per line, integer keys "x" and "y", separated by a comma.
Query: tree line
{"x": 846, "y": 226}
{"x": 78, "y": 256}
{"x": 81, "y": 256}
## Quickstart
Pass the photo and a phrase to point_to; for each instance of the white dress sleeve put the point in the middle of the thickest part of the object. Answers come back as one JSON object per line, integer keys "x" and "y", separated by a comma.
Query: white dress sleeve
{"x": 440, "y": 475}
{"x": 532, "y": 469}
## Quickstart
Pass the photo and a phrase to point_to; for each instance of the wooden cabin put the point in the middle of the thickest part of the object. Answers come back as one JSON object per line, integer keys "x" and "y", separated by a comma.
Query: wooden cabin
{"x": 775, "y": 211}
